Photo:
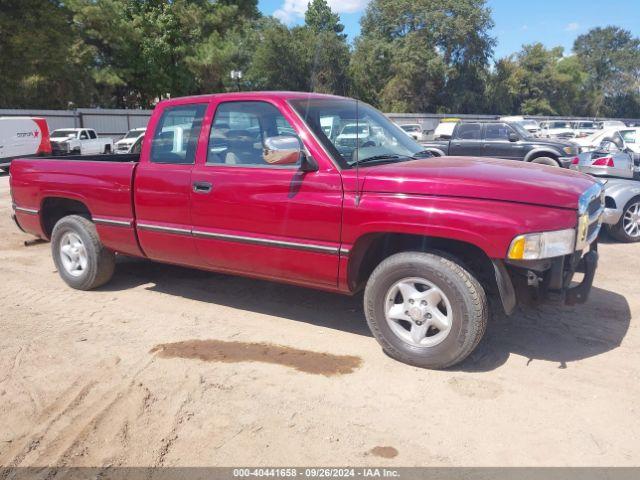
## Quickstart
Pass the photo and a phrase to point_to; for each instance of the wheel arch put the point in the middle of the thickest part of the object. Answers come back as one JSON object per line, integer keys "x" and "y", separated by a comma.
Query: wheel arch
{"x": 372, "y": 248}
{"x": 53, "y": 208}
{"x": 436, "y": 151}
{"x": 541, "y": 152}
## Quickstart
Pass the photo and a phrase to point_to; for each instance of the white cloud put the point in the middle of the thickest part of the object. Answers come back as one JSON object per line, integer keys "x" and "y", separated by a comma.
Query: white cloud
{"x": 291, "y": 10}
{"x": 572, "y": 26}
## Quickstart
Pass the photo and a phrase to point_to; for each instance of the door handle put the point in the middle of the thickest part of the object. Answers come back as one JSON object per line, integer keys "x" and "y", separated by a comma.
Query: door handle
{"x": 202, "y": 187}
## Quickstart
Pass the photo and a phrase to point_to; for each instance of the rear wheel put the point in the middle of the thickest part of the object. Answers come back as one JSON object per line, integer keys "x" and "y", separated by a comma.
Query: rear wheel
{"x": 107, "y": 149}
{"x": 546, "y": 161}
{"x": 628, "y": 227}
{"x": 425, "y": 310}
{"x": 81, "y": 259}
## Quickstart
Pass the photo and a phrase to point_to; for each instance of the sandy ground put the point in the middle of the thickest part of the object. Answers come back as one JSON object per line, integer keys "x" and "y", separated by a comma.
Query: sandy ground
{"x": 130, "y": 375}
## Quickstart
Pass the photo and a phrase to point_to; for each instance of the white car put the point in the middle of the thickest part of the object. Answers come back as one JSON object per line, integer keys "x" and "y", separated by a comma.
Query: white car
{"x": 529, "y": 124}
{"x": 22, "y": 137}
{"x": 610, "y": 124}
{"x": 445, "y": 128}
{"x": 414, "y": 130}
{"x": 631, "y": 136}
{"x": 81, "y": 141}
{"x": 125, "y": 143}
{"x": 557, "y": 129}
{"x": 354, "y": 135}
{"x": 583, "y": 128}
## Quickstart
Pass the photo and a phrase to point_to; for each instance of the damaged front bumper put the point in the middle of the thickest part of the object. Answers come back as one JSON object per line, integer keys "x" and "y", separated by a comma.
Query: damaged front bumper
{"x": 538, "y": 281}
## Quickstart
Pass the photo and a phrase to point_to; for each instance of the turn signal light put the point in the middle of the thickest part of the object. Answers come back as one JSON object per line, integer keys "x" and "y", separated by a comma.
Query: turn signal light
{"x": 603, "y": 162}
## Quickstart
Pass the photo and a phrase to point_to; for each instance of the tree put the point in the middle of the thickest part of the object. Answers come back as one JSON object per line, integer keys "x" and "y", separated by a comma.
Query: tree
{"x": 43, "y": 63}
{"x": 611, "y": 58}
{"x": 429, "y": 54}
{"x": 320, "y": 18}
{"x": 314, "y": 57}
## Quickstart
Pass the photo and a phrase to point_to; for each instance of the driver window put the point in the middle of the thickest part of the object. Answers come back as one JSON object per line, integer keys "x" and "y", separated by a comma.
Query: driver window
{"x": 496, "y": 131}
{"x": 83, "y": 135}
{"x": 239, "y": 132}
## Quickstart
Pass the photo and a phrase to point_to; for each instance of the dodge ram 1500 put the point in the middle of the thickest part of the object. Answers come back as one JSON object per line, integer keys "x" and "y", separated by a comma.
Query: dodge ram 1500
{"x": 255, "y": 184}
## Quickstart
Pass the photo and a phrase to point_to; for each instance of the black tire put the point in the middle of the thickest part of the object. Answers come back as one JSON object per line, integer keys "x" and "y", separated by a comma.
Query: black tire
{"x": 107, "y": 149}
{"x": 617, "y": 231}
{"x": 552, "y": 162}
{"x": 466, "y": 296}
{"x": 100, "y": 260}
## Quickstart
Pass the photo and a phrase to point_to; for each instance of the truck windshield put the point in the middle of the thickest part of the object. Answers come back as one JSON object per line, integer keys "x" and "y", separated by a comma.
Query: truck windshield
{"x": 63, "y": 133}
{"x": 366, "y": 135}
{"x": 133, "y": 133}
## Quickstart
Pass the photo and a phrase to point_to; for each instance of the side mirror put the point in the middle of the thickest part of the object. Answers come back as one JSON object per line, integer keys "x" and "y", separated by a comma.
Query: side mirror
{"x": 308, "y": 164}
{"x": 282, "y": 150}
{"x": 513, "y": 137}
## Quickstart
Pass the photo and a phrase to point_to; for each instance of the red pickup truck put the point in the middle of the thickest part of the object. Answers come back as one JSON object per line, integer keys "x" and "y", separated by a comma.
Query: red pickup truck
{"x": 323, "y": 192}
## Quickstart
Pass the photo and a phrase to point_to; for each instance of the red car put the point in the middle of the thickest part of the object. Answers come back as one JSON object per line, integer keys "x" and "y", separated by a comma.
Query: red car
{"x": 255, "y": 184}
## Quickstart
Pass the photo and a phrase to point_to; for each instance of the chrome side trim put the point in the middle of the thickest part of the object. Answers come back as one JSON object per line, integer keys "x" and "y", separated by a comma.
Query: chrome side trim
{"x": 265, "y": 241}
{"x": 344, "y": 251}
{"x": 31, "y": 211}
{"x": 116, "y": 223}
{"x": 160, "y": 228}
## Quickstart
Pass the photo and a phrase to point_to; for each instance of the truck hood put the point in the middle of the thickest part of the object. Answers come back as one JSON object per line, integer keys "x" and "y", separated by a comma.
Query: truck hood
{"x": 481, "y": 178}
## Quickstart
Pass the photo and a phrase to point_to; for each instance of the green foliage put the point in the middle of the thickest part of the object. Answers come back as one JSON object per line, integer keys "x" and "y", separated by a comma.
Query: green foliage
{"x": 43, "y": 62}
{"x": 423, "y": 54}
{"x": 412, "y": 56}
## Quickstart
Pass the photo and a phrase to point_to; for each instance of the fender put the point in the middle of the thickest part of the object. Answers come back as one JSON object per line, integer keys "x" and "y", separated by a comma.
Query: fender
{"x": 437, "y": 151}
{"x": 536, "y": 151}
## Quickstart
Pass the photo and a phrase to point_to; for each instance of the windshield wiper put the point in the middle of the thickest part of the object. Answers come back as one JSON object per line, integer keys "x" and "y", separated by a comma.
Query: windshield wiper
{"x": 380, "y": 158}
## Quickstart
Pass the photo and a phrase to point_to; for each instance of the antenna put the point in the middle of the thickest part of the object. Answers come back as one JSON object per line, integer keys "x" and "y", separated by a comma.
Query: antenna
{"x": 357, "y": 155}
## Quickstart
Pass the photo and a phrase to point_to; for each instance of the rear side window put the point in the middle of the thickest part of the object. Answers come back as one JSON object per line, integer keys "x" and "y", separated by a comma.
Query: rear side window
{"x": 468, "y": 131}
{"x": 92, "y": 134}
{"x": 176, "y": 137}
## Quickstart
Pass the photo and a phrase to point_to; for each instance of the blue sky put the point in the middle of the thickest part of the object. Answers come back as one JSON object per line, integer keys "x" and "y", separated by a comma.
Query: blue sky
{"x": 552, "y": 22}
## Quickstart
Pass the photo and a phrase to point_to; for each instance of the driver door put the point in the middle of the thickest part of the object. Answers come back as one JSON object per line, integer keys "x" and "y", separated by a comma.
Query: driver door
{"x": 259, "y": 219}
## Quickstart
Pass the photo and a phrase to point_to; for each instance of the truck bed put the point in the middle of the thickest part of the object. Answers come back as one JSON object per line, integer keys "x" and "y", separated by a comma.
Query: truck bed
{"x": 102, "y": 183}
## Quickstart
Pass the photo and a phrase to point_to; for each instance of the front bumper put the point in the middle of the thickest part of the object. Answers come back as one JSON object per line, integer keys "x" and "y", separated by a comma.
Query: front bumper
{"x": 549, "y": 280}
{"x": 565, "y": 162}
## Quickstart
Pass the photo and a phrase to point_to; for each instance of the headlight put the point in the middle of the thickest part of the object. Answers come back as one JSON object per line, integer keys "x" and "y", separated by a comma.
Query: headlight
{"x": 534, "y": 246}
{"x": 569, "y": 150}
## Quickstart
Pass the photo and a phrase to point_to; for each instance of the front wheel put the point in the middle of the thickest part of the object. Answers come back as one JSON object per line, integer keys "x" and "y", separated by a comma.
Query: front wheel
{"x": 425, "y": 310}
{"x": 628, "y": 227}
{"x": 81, "y": 259}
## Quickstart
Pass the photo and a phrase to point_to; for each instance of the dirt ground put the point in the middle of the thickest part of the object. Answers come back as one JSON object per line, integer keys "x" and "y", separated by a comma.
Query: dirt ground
{"x": 167, "y": 366}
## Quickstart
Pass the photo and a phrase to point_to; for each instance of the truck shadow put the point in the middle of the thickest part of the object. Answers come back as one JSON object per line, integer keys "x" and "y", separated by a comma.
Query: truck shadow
{"x": 554, "y": 333}
{"x": 549, "y": 333}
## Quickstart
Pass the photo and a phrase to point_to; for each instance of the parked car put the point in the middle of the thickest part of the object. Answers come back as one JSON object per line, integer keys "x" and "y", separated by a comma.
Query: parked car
{"x": 584, "y": 128}
{"x": 80, "y": 141}
{"x": 125, "y": 143}
{"x": 414, "y": 130}
{"x": 429, "y": 240}
{"x": 503, "y": 140}
{"x": 529, "y": 124}
{"x": 611, "y": 124}
{"x": 21, "y": 137}
{"x": 620, "y": 166}
{"x": 445, "y": 128}
{"x": 592, "y": 142}
{"x": 557, "y": 129}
